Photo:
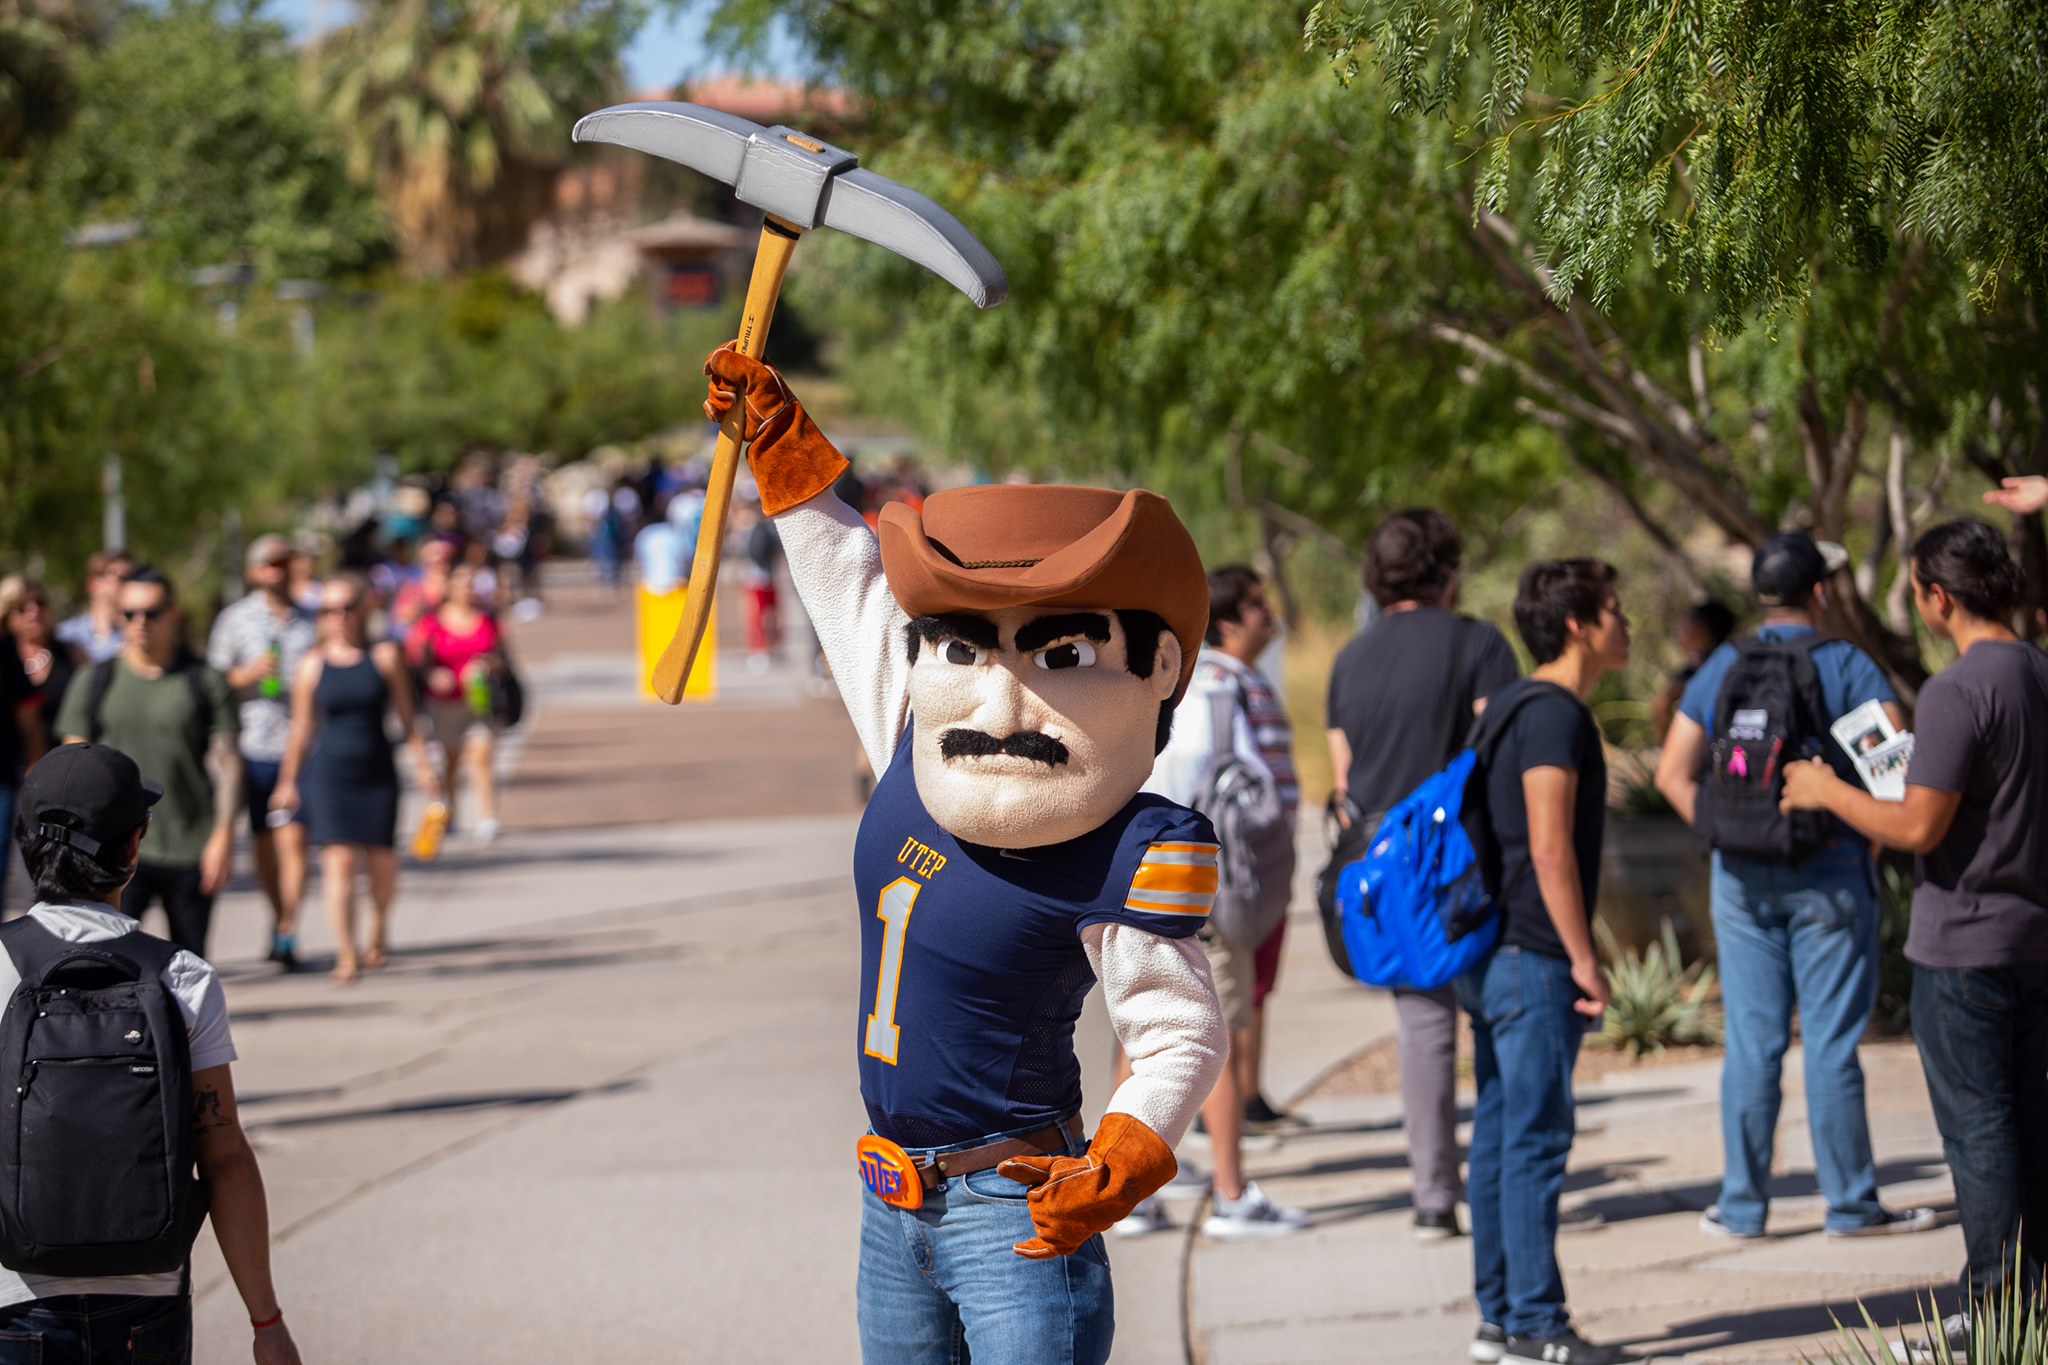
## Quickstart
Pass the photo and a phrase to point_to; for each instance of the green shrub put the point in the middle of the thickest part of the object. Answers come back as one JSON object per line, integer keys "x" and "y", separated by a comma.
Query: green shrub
{"x": 1659, "y": 1001}
{"x": 2010, "y": 1328}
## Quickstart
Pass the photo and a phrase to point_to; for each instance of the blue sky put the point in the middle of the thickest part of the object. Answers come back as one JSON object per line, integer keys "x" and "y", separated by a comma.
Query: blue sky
{"x": 670, "y": 47}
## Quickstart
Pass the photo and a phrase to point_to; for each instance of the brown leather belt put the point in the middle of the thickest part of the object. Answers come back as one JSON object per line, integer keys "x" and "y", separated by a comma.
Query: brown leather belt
{"x": 936, "y": 1168}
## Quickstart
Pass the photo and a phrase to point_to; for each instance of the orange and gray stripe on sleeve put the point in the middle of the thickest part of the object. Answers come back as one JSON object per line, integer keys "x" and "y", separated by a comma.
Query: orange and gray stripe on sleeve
{"x": 1175, "y": 879}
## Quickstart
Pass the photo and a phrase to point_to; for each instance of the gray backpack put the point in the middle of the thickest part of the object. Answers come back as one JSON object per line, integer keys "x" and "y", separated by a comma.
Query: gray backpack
{"x": 1243, "y": 803}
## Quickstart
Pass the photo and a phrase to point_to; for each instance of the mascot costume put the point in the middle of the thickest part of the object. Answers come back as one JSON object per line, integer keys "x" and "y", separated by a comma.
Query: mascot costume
{"x": 1011, "y": 657}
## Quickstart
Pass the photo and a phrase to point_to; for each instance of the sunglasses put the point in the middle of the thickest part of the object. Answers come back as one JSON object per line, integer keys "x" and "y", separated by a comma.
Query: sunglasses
{"x": 144, "y": 614}
{"x": 338, "y": 611}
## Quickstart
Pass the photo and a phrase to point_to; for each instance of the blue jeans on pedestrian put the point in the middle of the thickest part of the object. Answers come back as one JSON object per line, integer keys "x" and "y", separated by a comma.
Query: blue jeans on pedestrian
{"x": 940, "y": 1285}
{"x": 97, "y": 1329}
{"x": 1525, "y": 1041}
{"x": 1983, "y": 1038}
{"x": 1796, "y": 935}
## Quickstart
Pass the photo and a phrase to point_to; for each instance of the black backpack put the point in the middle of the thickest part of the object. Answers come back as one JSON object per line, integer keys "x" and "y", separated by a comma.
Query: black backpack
{"x": 96, "y": 1142}
{"x": 1770, "y": 712}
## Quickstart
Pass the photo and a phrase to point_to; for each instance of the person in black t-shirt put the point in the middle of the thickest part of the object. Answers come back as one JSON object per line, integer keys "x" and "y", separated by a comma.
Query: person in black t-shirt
{"x": 1532, "y": 999}
{"x": 1402, "y": 696}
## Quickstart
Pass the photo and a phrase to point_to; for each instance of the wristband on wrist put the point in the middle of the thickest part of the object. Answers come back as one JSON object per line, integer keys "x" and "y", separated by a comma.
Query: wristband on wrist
{"x": 267, "y": 1322}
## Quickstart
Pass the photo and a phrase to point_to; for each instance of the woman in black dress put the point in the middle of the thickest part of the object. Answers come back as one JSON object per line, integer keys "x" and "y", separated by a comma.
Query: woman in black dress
{"x": 339, "y": 763}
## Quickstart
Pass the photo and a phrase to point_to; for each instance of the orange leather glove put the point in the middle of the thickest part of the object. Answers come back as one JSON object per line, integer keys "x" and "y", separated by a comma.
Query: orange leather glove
{"x": 1078, "y": 1196}
{"x": 791, "y": 459}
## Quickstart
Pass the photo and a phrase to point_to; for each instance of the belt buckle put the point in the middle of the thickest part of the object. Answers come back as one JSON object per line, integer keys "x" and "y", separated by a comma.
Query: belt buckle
{"x": 888, "y": 1172}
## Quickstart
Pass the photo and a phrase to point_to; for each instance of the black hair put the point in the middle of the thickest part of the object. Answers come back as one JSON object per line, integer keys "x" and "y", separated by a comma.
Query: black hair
{"x": 1228, "y": 587}
{"x": 149, "y": 575}
{"x": 1558, "y": 591}
{"x": 1971, "y": 562}
{"x": 1412, "y": 556}
{"x": 62, "y": 874}
{"x": 1716, "y": 617}
{"x": 1142, "y": 630}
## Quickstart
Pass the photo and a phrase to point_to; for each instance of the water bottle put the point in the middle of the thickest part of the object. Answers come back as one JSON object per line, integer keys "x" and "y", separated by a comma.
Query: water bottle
{"x": 272, "y": 686}
{"x": 426, "y": 845}
{"x": 476, "y": 687}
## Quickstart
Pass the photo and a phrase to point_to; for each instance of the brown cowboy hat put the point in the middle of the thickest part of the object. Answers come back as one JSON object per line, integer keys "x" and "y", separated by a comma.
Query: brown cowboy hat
{"x": 1045, "y": 545}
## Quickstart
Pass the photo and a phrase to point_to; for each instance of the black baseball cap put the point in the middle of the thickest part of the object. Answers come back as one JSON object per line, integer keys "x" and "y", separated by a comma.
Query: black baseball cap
{"x": 1790, "y": 564}
{"x": 91, "y": 796}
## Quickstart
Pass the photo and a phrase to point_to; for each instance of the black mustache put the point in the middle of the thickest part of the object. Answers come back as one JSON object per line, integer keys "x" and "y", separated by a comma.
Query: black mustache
{"x": 1023, "y": 744}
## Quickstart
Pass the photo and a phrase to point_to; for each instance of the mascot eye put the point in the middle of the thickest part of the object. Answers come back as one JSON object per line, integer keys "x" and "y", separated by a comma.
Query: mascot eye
{"x": 1073, "y": 654}
{"x": 960, "y": 652}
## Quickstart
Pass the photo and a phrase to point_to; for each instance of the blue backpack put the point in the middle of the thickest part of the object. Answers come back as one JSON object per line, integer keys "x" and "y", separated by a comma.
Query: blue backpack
{"x": 1417, "y": 910}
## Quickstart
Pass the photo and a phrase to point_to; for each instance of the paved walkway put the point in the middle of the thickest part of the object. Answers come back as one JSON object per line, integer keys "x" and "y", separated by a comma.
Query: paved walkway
{"x": 601, "y": 1107}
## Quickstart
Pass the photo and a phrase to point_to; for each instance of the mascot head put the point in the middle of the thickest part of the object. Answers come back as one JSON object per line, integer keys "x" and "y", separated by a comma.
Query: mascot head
{"x": 1052, "y": 631}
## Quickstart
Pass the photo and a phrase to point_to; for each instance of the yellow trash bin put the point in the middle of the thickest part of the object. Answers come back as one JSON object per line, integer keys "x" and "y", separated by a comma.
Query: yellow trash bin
{"x": 658, "y": 615}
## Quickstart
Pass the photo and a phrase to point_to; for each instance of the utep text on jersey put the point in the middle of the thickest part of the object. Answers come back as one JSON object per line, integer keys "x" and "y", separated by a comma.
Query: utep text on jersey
{"x": 972, "y": 968}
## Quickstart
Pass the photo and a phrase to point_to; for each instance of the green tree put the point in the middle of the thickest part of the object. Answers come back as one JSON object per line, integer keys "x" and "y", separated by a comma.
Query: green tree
{"x": 1234, "y": 281}
{"x": 459, "y": 111}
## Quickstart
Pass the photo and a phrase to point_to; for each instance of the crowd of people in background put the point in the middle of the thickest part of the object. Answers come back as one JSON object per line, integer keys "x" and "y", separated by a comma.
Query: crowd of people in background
{"x": 1795, "y": 840}
{"x": 285, "y": 723}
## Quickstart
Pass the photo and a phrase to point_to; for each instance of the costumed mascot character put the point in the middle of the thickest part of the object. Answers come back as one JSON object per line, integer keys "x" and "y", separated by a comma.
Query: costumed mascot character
{"x": 1011, "y": 657}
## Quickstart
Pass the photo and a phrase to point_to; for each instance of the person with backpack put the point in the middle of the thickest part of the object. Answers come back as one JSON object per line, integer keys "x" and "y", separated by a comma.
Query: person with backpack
{"x": 159, "y": 703}
{"x": 1402, "y": 696}
{"x": 1231, "y": 758}
{"x": 1976, "y": 814}
{"x": 115, "y": 1053}
{"x": 1533, "y": 998}
{"x": 1794, "y": 896}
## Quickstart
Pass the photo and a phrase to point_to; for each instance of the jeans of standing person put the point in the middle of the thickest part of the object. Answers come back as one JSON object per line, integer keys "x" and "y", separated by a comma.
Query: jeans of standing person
{"x": 189, "y": 911}
{"x": 1801, "y": 936}
{"x": 1983, "y": 1038}
{"x": 940, "y": 1284}
{"x": 97, "y": 1329}
{"x": 1525, "y": 1040}
{"x": 1428, "y": 1047}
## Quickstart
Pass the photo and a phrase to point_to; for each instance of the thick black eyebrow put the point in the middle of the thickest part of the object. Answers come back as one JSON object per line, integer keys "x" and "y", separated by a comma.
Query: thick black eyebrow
{"x": 1033, "y": 636}
{"x": 978, "y": 631}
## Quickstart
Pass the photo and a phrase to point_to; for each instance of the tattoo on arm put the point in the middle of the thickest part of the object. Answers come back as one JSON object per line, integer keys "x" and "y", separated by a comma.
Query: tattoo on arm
{"x": 206, "y": 1114}
{"x": 224, "y": 766}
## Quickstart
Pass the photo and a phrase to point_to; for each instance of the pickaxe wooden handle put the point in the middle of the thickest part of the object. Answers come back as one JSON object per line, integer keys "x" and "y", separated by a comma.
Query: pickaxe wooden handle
{"x": 771, "y": 263}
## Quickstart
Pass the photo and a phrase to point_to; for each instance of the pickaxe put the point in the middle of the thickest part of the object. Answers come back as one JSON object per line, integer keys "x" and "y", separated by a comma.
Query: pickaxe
{"x": 799, "y": 183}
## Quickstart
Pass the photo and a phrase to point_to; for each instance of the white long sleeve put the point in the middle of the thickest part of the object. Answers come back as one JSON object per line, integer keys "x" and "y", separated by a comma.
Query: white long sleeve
{"x": 836, "y": 564}
{"x": 1163, "y": 1009}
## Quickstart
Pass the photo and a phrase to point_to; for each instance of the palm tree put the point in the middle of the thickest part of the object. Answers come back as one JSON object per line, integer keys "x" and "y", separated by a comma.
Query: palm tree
{"x": 458, "y": 112}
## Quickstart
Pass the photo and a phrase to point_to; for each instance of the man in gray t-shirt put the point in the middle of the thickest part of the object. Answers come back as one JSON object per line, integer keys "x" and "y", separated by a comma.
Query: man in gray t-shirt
{"x": 1982, "y": 732}
{"x": 1976, "y": 811}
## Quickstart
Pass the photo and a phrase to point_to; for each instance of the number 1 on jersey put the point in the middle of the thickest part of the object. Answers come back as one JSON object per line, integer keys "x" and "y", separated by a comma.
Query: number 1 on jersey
{"x": 898, "y": 899}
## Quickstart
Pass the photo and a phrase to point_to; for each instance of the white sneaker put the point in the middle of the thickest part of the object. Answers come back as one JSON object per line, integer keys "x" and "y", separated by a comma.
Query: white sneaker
{"x": 1954, "y": 1344}
{"x": 1149, "y": 1216}
{"x": 486, "y": 831}
{"x": 1251, "y": 1214}
{"x": 1889, "y": 1222}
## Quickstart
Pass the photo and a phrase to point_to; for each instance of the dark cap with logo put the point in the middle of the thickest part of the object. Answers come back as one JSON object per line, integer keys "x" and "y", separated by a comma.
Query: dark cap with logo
{"x": 1789, "y": 565}
{"x": 91, "y": 796}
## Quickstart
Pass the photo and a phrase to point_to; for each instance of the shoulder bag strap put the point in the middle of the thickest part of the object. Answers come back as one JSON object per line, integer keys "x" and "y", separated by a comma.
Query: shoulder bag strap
{"x": 1448, "y": 728}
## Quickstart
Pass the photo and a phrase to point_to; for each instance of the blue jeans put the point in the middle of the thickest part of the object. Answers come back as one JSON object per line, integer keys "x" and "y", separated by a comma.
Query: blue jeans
{"x": 940, "y": 1285}
{"x": 97, "y": 1329}
{"x": 1525, "y": 1040}
{"x": 1983, "y": 1038}
{"x": 1800, "y": 935}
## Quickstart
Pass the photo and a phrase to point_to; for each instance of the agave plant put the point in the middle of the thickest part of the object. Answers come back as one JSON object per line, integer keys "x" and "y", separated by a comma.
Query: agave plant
{"x": 2008, "y": 1328}
{"x": 1659, "y": 1001}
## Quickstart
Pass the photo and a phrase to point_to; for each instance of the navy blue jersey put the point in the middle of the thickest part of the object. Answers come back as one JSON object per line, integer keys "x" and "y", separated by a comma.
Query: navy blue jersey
{"x": 972, "y": 969}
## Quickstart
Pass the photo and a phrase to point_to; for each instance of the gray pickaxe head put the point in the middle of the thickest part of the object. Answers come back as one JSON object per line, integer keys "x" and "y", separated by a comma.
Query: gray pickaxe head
{"x": 799, "y": 183}
{"x": 804, "y": 183}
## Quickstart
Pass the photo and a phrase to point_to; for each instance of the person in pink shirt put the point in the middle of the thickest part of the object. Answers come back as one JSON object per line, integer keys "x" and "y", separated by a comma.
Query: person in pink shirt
{"x": 457, "y": 648}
